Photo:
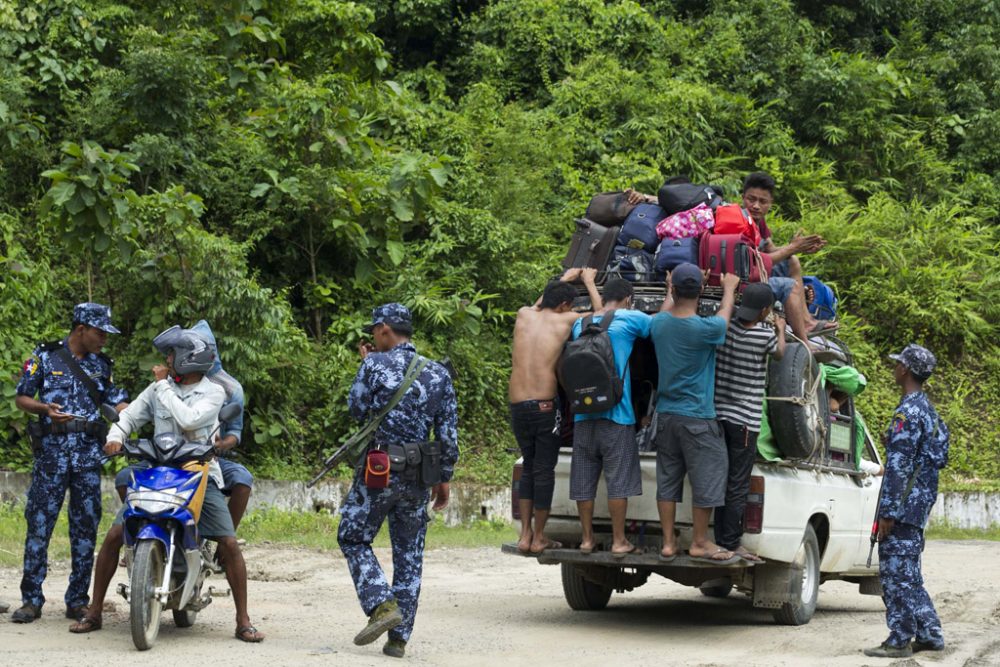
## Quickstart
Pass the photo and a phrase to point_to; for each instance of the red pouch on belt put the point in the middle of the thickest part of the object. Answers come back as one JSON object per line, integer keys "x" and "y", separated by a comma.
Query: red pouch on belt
{"x": 377, "y": 469}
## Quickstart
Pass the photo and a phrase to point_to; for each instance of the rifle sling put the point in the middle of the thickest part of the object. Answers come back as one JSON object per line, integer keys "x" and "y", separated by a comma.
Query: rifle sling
{"x": 74, "y": 367}
{"x": 360, "y": 439}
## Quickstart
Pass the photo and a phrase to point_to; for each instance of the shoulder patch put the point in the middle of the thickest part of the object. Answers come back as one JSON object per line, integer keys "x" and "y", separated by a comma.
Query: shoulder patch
{"x": 31, "y": 365}
{"x": 106, "y": 358}
{"x": 51, "y": 346}
{"x": 898, "y": 421}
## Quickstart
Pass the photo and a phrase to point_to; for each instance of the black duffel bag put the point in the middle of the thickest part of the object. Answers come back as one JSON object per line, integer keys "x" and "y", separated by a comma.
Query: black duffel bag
{"x": 609, "y": 208}
{"x": 677, "y": 197}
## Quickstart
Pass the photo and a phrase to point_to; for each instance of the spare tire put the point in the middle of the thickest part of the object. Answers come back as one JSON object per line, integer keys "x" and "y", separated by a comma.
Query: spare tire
{"x": 799, "y": 425}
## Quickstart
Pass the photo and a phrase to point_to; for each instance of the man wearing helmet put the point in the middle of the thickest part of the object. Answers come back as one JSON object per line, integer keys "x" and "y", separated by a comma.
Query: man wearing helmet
{"x": 182, "y": 400}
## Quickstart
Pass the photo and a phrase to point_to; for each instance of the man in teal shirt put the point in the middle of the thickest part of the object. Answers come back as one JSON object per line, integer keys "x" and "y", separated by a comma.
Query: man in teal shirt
{"x": 689, "y": 439}
{"x": 606, "y": 440}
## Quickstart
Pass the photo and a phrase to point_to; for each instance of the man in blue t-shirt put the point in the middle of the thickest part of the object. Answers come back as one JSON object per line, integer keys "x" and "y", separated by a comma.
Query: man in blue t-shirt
{"x": 606, "y": 440}
{"x": 689, "y": 439}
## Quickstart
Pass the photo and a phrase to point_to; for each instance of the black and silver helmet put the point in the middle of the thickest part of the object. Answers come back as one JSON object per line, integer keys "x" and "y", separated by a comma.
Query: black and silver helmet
{"x": 192, "y": 352}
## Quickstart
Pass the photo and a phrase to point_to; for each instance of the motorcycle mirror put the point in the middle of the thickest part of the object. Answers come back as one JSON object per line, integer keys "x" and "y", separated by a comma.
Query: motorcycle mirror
{"x": 229, "y": 412}
{"x": 108, "y": 412}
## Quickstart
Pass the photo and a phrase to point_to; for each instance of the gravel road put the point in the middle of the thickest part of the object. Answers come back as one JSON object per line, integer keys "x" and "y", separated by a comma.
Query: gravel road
{"x": 480, "y": 607}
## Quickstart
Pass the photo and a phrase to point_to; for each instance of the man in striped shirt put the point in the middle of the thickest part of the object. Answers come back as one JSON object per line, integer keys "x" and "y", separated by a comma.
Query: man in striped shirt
{"x": 740, "y": 380}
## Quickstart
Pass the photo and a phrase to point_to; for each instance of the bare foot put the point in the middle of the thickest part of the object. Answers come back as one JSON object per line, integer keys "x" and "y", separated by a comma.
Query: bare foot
{"x": 622, "y": 549}
{"x": 538, "y": 547}
{"x": 524, "y": 542}
{"x": 587, "y": 546}
{"x": 668, "y": 550}
{"x": 708, "y": 550}
{"x": 746, "y": 554}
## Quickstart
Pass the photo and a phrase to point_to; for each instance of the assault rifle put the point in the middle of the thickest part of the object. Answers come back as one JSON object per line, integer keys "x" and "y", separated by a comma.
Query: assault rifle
{"x": 355, "y": 447}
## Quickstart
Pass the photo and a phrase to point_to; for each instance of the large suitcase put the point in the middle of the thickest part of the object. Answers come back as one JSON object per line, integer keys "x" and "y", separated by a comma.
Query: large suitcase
{"x": 591, "y": 246}
{"x": 732, "y": 253}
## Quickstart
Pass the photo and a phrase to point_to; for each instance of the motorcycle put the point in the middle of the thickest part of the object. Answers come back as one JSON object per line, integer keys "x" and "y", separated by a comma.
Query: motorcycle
{"x": 165, "y": 555}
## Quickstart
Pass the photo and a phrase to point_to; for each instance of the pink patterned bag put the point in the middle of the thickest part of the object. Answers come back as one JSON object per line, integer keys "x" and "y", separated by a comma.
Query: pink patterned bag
{"x": 686, "y": 223}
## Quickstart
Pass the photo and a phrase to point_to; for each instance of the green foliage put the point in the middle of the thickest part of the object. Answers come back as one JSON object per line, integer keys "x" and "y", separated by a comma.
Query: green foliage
{"x": 279, "y": 168}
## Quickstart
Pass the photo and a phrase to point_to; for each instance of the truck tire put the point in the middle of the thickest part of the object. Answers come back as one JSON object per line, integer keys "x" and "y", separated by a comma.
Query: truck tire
{"x": 799, "y": 430}
{"x": 583, "y": 595}
{"x": 804, "y": 583}
{"x": 717, "y": 588}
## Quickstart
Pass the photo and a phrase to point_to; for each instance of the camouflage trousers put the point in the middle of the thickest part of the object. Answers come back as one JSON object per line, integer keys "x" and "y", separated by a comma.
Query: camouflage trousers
{"x": 404, "y": 504}
{"x": 49, "y": 483}
{"x": 909, "y": 611}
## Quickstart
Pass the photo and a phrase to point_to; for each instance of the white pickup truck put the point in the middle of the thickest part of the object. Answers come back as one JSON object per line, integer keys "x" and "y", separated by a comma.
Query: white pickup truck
{"x": 808, "y": 517}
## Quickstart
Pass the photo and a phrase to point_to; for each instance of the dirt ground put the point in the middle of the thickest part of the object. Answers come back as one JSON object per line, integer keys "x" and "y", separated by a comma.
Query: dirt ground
{"x": 480, "y": 607}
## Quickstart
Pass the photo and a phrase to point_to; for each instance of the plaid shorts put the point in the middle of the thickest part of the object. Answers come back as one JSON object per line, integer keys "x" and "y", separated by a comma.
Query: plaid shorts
{"x": 601, "y": 444}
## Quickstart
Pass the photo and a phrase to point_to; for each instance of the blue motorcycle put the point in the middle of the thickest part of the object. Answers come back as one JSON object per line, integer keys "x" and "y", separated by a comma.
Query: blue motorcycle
{"x": 164, "y": 552}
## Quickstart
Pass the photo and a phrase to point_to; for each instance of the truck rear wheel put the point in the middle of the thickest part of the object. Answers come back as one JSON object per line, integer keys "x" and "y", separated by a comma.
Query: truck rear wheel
{"x": 799, "y": 429}
{"x": 716, "y": 588}
{"x": 803, "y": 576}
{"x": 583, "y": 595}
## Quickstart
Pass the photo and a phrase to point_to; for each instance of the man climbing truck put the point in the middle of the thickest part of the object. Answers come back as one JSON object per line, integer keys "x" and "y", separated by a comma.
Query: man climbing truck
{"x": 807, "y": 516}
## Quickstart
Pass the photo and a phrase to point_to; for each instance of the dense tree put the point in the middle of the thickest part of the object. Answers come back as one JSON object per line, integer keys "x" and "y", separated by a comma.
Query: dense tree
{"x": 278, "y": 168}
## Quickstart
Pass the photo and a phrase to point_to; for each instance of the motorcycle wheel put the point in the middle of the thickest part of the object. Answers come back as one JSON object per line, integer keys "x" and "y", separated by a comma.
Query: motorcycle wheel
{"x": 147, "y": 575}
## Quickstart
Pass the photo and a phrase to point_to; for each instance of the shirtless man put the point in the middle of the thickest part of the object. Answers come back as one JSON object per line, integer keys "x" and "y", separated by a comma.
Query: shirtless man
{"x": 539, "y": 334}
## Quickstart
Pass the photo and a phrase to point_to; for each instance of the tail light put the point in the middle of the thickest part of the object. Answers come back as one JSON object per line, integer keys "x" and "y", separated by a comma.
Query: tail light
{"x": 515, "y": 492}
{"x": 753, "y": 515}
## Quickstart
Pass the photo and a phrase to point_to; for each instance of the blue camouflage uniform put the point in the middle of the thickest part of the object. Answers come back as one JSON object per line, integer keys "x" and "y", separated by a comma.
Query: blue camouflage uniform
{"x": 66, "y": 460}
{"x": 429, "y": 403}
{"x": 916, "y": 450}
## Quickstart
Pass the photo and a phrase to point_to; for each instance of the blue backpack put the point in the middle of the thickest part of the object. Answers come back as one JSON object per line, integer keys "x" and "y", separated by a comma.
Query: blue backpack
{"x": 639, "y": 228}
{"x": 824, "y": 304}
{"x": 633, "y": 264}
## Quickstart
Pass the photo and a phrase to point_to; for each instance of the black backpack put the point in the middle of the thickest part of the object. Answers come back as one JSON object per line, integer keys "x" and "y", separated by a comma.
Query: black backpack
{"x": 586, "y": 369}
{"x": 677, "y": 197}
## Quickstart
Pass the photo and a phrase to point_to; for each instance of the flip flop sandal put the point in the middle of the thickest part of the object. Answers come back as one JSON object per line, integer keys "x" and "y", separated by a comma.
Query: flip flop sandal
{"x": 551, "y": 545}
{"x": 824, "y": 327}
{"x": 666, "y": 559}
{"x": 716, "y": 561}
{"x": 586, "y": 551}
{"x": 249, "y": 634}
{"x": 86, "y": 624}
{"x": 622, "y": 554}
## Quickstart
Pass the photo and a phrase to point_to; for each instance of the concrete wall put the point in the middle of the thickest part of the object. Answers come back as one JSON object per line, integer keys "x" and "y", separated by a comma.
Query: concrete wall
{"x": 469, "y": 503}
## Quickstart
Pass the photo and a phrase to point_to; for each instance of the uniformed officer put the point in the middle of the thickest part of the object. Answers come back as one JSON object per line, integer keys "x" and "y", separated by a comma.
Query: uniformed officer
{"x": 428, "y": 403}
{"x": 70, "y": 434}
{"x": 916, "y": 446}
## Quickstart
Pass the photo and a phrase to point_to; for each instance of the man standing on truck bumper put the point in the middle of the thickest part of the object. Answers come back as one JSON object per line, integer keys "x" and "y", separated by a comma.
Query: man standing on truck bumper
{"x": 916, "y": 448}
{"x": 429, "y": 403}
{"x": 539, "y": 334}
{"x": 606, "y": 440}
{"x": 689, "y": 439}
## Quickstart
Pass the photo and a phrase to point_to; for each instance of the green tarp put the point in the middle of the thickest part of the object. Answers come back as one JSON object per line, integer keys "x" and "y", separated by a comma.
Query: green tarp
{"x": 845, "y": 378}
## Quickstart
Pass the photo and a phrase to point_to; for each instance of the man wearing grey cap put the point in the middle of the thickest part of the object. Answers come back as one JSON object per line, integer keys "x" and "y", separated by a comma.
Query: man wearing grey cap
{"x": 71, "y": 378}
{"x": 916, "y": 448}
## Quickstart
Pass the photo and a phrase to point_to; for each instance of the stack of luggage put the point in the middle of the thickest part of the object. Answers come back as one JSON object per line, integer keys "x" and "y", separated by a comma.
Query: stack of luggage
{"x": 690, "y": 223}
